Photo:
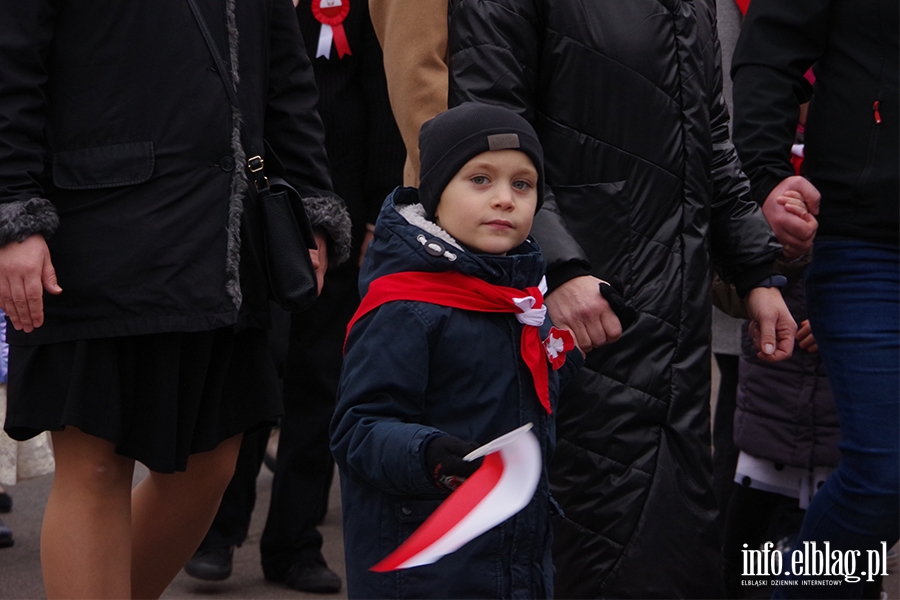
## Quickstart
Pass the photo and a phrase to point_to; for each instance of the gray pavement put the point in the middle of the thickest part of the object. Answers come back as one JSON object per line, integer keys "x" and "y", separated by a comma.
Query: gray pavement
{"x": 20, "y": 566}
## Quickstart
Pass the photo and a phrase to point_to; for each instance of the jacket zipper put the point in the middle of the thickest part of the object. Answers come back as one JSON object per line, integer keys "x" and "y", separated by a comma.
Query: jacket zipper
{"x": 864, "y": 175}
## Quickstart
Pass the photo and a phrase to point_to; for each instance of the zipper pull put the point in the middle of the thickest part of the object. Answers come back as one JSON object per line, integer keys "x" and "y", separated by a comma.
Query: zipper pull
{"x": 876, "y": 111}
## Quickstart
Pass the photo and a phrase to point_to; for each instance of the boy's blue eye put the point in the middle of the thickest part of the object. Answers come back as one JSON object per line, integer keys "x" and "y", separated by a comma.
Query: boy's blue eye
{"x": 479, "y": 180}
{"x": 521, "y": 184}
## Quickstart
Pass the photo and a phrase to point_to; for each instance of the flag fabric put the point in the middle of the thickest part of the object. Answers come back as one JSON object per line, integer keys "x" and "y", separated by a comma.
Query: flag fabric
{"x": 501, "y": 487}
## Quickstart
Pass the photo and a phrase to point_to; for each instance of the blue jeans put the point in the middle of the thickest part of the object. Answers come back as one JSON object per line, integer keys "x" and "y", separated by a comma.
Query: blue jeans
{"x": 853, "y": 295}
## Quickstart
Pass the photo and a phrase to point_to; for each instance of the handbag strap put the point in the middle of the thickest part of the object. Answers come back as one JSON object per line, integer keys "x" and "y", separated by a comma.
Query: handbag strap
{"x": 255, "y": 164}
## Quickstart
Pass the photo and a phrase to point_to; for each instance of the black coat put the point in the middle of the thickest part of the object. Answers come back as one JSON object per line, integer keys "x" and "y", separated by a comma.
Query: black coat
{"x": 852, "y": 134}
{"x": 626, "y": 98}
{"x": 365, "y": 150}
{"x": 116, "y": 113}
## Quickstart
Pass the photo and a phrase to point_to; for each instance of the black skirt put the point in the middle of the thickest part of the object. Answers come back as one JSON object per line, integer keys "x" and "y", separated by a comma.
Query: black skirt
{"x": 159, "y": 398}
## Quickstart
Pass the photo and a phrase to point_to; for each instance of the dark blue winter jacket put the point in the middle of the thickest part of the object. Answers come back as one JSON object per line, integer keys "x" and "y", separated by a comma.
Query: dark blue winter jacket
{"x": 413, "y": 371}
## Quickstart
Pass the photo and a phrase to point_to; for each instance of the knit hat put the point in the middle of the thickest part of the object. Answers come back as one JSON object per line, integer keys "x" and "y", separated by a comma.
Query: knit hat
{"x": 451, "y": 139}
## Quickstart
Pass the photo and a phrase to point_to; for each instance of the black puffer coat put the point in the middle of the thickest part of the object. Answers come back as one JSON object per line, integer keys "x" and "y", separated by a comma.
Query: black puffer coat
{"x": 626, "y": 98}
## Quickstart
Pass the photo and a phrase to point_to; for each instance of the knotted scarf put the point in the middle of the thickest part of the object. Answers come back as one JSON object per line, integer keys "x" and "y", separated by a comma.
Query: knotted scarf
{"x": 455, "y": 290}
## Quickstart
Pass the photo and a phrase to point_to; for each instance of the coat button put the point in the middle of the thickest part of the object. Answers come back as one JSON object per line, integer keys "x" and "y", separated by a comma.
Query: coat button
{"x": 406, "y": 510}
{"x": 227, "y": 164}
{"x": 434, "y": 248}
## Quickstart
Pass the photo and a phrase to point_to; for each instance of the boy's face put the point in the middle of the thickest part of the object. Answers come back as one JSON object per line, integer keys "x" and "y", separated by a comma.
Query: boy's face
{"x": 489, "y": 205}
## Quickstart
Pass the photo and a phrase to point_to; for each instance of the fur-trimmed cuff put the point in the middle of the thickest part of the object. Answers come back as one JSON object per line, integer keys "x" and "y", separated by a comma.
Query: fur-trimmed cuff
{"x": 330, "y": 214}
{"x": 24, "y": 218}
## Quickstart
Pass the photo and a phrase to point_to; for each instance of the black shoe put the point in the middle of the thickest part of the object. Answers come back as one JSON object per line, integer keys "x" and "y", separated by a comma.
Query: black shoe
{"x": 313, "y": 577}
{"x": 211, "y": 564}
{"x": 6, "y": 537}
{"x": 5, "y": 502}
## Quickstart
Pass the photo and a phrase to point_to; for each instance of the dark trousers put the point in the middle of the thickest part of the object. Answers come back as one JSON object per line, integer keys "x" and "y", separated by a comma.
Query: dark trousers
{"x": 725, "y": 454}
{"x": 752, "y": 517}
{"x": 305, "y": 467}
{"x": 853, "y": 295}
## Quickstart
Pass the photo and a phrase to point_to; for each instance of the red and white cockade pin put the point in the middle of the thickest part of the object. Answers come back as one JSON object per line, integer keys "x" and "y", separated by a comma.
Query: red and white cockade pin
{"x": 331, "y": 14}
{"x": 557, "y": 344}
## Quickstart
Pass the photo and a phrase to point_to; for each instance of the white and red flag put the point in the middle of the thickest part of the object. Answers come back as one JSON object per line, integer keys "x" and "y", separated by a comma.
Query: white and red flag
{"x": 501, "y": 487}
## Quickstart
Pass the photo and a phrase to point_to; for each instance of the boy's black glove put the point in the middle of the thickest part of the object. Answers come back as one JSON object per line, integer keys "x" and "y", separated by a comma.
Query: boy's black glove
{"x": 445, "y": 464}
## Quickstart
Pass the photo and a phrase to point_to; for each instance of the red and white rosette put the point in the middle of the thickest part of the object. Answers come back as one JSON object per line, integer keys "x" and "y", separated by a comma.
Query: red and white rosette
{"x": 557, "y": 345}
{"x": 331, "y": 14}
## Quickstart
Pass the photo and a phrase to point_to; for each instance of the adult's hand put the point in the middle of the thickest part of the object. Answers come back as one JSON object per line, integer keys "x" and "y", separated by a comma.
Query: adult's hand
{"x": 795, "y": 231}
{"x": 319, "y": 257}
{"x": 25, "y": 272}
{"x": 578, "y": 306}
{"x": 771, "y": 326}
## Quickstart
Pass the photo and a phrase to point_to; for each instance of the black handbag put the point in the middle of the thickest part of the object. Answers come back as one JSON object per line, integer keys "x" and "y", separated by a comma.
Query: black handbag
{"x": 288, "y": 234}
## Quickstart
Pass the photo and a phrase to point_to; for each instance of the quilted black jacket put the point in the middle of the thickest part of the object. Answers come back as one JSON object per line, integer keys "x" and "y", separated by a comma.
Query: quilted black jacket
{"x": 626, "y": 98}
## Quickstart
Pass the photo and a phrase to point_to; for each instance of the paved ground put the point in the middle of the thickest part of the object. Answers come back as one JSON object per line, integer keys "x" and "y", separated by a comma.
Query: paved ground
{"x": 20, "y": 570}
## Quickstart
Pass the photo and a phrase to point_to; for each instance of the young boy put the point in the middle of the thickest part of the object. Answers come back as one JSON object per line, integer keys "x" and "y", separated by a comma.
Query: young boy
{"x": 426, "y": 381}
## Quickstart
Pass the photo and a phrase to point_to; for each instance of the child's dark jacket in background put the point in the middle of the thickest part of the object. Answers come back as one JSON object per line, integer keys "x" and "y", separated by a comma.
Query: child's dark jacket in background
{"x": 785, "y": 411}
{"x": 413, "y": 371}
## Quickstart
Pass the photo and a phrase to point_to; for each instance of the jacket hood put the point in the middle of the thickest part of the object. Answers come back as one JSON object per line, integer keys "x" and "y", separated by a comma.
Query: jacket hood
{"x": 405, "y": 240}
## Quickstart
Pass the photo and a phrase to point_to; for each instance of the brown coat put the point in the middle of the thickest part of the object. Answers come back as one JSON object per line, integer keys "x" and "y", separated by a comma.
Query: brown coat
{"x": 413, "y": 35}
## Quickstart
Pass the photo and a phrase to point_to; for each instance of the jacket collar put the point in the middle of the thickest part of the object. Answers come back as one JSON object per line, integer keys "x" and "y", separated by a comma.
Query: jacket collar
{"x": 406, "y": 241}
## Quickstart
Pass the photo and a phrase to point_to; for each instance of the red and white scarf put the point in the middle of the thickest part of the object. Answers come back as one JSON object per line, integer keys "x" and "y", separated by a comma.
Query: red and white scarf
{"x": 466, "y": 292}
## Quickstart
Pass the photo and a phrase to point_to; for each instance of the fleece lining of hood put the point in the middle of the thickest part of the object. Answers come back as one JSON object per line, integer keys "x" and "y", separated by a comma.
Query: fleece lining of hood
{"x": 415, "y": 215}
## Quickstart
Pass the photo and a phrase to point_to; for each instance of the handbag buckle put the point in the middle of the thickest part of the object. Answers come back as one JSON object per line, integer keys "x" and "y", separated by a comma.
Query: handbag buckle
{"x": 256, "y": 165}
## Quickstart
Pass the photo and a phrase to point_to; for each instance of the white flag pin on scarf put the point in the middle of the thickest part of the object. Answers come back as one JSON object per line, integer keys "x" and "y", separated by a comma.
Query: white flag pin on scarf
{"x": 501, "y": 487}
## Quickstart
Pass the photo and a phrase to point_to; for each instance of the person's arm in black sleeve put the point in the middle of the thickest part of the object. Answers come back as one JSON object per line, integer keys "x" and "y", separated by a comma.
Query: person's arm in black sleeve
{"x": 495, "y": 58}
{"x": 779, "y": 42}
{"x": 295, "y": 133}
{"x": 27, "y": 218}
{"x": 742, "y": 244}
